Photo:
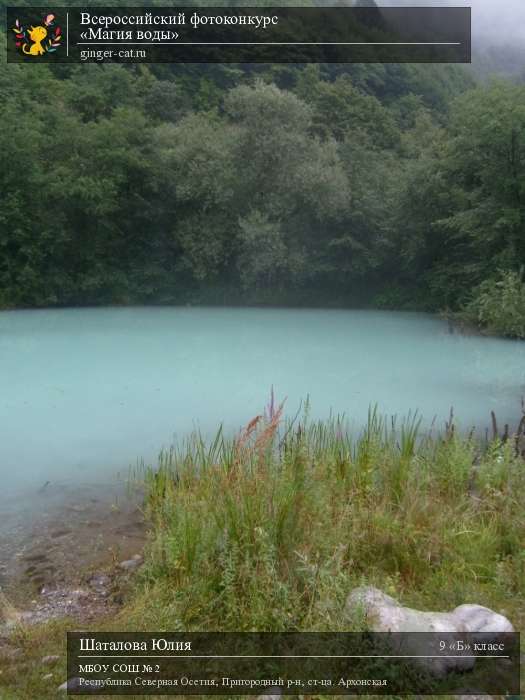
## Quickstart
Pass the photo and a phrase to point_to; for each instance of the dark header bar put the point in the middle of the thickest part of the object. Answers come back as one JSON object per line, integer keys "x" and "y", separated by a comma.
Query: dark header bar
{"x": 309, "y": 663}
{"x": 239, "y": 35}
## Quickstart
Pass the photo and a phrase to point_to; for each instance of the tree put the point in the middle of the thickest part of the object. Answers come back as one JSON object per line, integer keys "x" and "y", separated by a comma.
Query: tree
{"x": 263, "y": 257}
{"x": 485, "y": 158}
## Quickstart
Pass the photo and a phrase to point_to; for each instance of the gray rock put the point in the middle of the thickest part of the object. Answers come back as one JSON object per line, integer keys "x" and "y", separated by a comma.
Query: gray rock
{"x": 385, "y": 614}
{"x": 51, "y": 659}
{"x": 272, "y": 694}
{"x": 131, "y": 564}
{"x": 100, "y": 582}
{"x": 476, "y": 618}
{"x": 70, "y": 684}
{"x": 79, "y": 593}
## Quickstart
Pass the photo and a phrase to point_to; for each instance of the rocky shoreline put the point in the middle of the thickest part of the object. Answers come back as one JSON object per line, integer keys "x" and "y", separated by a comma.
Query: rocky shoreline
{"x": 69, "y": 558}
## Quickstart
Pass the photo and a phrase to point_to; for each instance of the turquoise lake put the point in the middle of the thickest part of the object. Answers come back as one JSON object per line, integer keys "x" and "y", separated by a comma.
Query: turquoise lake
{"x": 87, "y": 392}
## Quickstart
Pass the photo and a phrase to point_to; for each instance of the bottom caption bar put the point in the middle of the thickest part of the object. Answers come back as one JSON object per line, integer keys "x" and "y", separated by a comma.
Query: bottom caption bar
{"x": 293, "y": 664}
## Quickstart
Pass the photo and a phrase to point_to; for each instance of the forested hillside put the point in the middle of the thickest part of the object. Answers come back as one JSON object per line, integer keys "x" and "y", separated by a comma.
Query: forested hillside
{"x": 399, "y": 186}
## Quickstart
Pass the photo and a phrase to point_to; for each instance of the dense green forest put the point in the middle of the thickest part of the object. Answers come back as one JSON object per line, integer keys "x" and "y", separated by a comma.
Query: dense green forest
{"x": 393, "y": 186}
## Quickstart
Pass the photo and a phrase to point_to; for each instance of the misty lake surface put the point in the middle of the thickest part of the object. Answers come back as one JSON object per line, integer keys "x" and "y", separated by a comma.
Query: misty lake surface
{"x": 86, "y": 392}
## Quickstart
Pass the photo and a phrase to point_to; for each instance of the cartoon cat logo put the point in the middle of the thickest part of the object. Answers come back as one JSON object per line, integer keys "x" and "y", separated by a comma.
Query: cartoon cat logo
{"x": 37, "y": 35}
{"x": 32, "y": 41}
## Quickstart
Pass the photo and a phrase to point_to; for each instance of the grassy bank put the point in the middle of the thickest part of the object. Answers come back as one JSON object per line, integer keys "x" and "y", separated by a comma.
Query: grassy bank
{"x": 272, "y": 529}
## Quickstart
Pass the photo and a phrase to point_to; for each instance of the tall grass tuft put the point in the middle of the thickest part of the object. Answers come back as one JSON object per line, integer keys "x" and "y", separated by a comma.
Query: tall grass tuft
{"x": 270, "y": 530}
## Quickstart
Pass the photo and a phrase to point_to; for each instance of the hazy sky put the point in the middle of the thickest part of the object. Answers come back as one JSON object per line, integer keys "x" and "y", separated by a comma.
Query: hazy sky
{"x": 502, "y": 20}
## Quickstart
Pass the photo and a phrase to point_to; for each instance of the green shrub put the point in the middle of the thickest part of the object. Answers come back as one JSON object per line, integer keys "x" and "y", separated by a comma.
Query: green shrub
{"x": 498, "y": 305}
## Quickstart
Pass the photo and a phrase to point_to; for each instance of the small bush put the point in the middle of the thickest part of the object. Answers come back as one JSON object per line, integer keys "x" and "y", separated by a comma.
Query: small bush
{"x": 498, "y": 305}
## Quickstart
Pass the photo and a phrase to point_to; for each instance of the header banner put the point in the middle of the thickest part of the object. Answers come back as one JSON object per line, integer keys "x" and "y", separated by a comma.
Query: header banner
{"x": 239, "y": 35}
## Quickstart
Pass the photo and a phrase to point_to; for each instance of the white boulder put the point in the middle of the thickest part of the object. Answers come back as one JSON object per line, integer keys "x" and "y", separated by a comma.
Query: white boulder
{"x": 385, "y": 614}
